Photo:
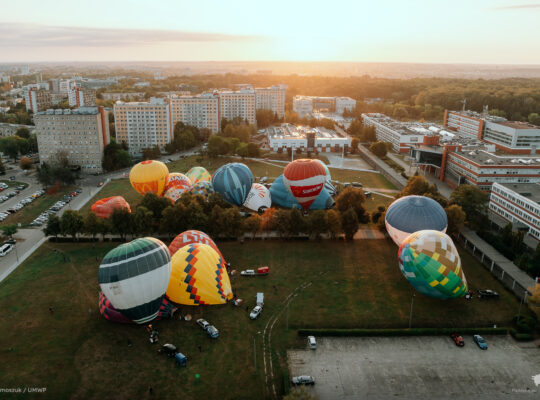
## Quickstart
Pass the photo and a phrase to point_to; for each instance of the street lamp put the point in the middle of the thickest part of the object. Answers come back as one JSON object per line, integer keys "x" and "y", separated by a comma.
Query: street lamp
{"x": 410, "y": 315}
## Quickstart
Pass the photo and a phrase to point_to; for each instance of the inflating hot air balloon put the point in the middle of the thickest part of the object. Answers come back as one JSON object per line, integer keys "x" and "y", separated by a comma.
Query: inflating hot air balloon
{"x": 134, "y": 277}
{"x": 149, "y": 177}
{"x": 104, "y": 208}
{"x": 414, "y": 213}
{"x": 203, "y": 188}
{"x": 305, "y": 179}
{"x": 177, "y": 184}
{"x": 328, "y": 183}
{"x": 109, "y": 312}
{"x": 233, "y": 181}
{"x": 189, "y": 237}
{"x": 282, "y": 197}
{"x": 430, "y": 262}
{"x": 198, "y": 276}
{"x": 258, "y": 198}
{"x": 198, "y": 174}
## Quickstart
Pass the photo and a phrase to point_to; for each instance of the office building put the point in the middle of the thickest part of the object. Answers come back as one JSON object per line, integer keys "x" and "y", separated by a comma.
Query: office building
{"x": 80, "y": 134}
{"x": 200, "y": 111}
{"x": 82, "y": 97}
{"x": 306, "y": 105}
{"x": 37, "y": 100}
{"x": 237, "y": 104}
{"x": 271, "y": 98}
{"x": 305, "y": 138}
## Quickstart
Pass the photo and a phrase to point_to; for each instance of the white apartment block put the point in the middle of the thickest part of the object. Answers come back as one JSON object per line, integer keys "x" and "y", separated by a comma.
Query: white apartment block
{"x": 79, "y": 97}
{"x": 143, "y": 124}
{"x": 306, "y": 105}
{"x": 344, "y": 103}
{"x": 123, "y": 96}
{"x": 302, "y": 105}
{"x": 271, "y": 98}
{"x": 518, "y": 204}
{"x": 239, "y": 103}
{"x": 81, "y": 134}
{"x": 200, "y": 111}
{"x": 37, "y": 100}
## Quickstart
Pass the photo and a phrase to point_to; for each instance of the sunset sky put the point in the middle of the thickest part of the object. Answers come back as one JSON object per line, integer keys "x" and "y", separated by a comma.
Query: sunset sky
{"x": 460, "y": 31}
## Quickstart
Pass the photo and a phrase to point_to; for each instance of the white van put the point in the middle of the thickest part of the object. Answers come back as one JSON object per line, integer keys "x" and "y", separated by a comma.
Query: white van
{"x": 312, "y": 342}
{"x": 6, "y": 248}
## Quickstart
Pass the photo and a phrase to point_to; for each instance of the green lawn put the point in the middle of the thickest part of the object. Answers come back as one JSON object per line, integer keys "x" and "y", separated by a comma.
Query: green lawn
{"x": 78, "y": 354}
{"x": 13, "y": 184}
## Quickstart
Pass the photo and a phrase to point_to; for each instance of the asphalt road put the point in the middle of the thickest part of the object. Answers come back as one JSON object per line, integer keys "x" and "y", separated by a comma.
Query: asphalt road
{"x": 418, "y": 368}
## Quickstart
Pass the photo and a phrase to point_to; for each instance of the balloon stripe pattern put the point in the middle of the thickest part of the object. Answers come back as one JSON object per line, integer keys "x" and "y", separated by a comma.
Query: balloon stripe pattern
{"x": 430, "y": 262}
{"x": 149, "y": 177}
{"x": 177, "y": 185}
{"x": 258, "y": 198}
{"x": 108, "y": 312}
{"x": 189, "y": 237}
{"x": 202, "y": 188}
{"x": 134, "y": 277}
{"x": 305, "y": 179}
{"x": 283, "y": 197}
{"x": 233, "y": 181}
{"x": 104, "y": 208}
{"x": 198, "y": 174}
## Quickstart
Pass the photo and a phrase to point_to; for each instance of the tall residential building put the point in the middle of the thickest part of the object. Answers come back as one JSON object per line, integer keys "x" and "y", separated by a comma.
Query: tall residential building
{"x": 239, "y": 103}
{"x": 82, "y": 97}
{"x": 271, "y": 98}
{"x": 200, "y": 111}
{"x": 305, "y": 105}
{"x": 80, "y": 134}
{"x": 302, "y": 105}
{"x": 143, "y": 124}
{"x": 37, "y": 100}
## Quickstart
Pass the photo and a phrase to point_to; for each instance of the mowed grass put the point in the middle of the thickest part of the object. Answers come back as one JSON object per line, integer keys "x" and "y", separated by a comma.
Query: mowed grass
{"x": 77, "y": 354}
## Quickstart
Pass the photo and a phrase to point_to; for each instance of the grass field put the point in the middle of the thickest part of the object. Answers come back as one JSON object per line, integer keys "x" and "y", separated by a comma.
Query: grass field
{"x": 77, "y": 354}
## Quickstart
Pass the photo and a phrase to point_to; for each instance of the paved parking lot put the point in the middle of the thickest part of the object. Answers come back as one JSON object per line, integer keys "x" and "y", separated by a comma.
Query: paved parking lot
{"x": 418, "y": 368}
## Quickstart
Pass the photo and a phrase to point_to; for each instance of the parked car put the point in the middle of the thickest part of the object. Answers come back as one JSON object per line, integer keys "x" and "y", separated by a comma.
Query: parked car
{"x": 251, "y": 272}
{"x": 20, "y": 187}
{"x": 100, "y": 184}
{"x": 312, "y": 342}
{"x": 168, "y": 349}
{"x": 303, "y": 380}
{"x": 488, "y": 294}
{"x": 12, "y": 178}
{"x": 458, "y": 340}
{"x": 203, "y": 323}
{"x": 10, "y": 241}
{"x": 5, "y": 249}
{"x": 212, "y": 331}
{"x": 254, "y": 314}
{"x": 480, "y": 341}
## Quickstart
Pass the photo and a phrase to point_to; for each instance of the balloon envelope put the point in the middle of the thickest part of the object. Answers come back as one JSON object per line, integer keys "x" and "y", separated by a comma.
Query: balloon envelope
{"x": 283, "y": 197}
{"x": 258, "y": 198}
{"x": 198, "y": 174}
{"x": 149, "y": 177}
{"x": 203, "y": 188}
{"x": 305, "y": 179}
{"x": 199, "y": 276}
{"x": 104, "y": 208}
{"x": 430, "y": 262}
{"x": 409, "y": 214}
{"x": 233, "y": 181}
{"x": 134, "y": 277}
{"x": 177, "y": 184}
{"x": 108, "y": 312}
{"x": 189, "y": 237}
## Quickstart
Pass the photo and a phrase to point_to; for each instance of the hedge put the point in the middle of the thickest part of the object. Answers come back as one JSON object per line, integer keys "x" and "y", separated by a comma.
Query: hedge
{"x": 522, "y": 337}
{"x": 401, "y": 332}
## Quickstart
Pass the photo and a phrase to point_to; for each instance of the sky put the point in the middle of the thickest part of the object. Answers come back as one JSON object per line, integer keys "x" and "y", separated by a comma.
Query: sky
{"x": 415, "y": 31}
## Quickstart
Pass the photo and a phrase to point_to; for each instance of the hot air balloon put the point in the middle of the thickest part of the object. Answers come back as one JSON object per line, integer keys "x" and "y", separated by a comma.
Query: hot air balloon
{"x": 430, "y": 262}
{"x": 189, "y": 237}
{"x": 134, "y": 277}
{"x": 203, "y": 188}
{"x": 198, "y": 276}
{"x": 104, "y": 208}
{"x": 177, "y": 184}
{"x": 149, "y": 177}
{"x": 414, "y": 213}
{"x": 281, "y": 196}
{"x": 305, "y": 179}
{"x": 258, "y": 198}
{"x": 198, "y": 174}
{"x": 109, "y": 312}
{"x": 233, "y": 181}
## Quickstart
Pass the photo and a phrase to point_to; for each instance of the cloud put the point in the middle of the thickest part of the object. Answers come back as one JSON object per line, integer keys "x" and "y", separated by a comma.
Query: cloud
{"x": 518, "y": 6}
{"x": 14, "y": 35}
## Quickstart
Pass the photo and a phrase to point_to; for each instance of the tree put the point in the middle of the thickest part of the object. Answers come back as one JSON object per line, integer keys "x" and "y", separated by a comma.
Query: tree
{"x": 369, "y": 134}
{"x": 473, "y": 202}
{"x": 268, "y": 220}
{"x": 375, "y": 216}
{"x": 25, "y": 163}
{"x": 115, "y": 157}
{"x": 356, "y": 127}
{"x": 349, "y": 223}
{"x": 354, "y": 145}
{"x": 155, "y": 204}
{"x": 317, "y": 223}
{"x": 217, "y": 145}
{"x": 60, "y": 159}
{"x": 534, "y": 119}
{"x": 265, "y": 118}
{"x": 281, "y": 222}
{"x": 299, "y": 394}
{"x": 2, "y": 167}
{"x": 242, "y": 150}
{"x": 9, "y": 230}
{"x": 143, "y": 220}
{"x": 173, "y": 219}
{"x": 53, "y": 227}
{"x": 333, "y": 220}
{"x": 232, "y": 222}
{"x": 151, "y": 153}
{"x": 9, "y": 147}
{"x": 379, "y": 149}
{"x": 253, "y": 224}
{"x": 353, "y": 198}
{"x": 23, "y": 132}
{"x": 253, "y": 150}
{"x": 71, "y": 223}
{"x": 297, "y": 224}
{"x": 122, "y": 222}
{"x": 91, "y": 224}
{"x": 456, "y": 218}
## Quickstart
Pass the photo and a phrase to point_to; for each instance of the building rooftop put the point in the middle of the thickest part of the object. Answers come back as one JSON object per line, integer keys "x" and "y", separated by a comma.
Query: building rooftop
{"x": 409, "y": 128}
{"x": 518, "y": 125}
{"x": 474, "y": 114}
{"x": 528, "y": 190}
{"x": 485, "y": 158}
{"x": 289, "y": 131}
{"x": 67, "y": 111}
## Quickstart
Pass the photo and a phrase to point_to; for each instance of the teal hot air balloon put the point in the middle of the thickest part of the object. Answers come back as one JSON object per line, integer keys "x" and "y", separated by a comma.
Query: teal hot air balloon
{"x": 282, "y": 197}
{"x": 233, "y": 181}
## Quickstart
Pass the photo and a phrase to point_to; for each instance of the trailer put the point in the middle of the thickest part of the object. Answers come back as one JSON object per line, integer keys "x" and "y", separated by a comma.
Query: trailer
{"x": 260, "y": 299}
{"x": 261, "y": 271}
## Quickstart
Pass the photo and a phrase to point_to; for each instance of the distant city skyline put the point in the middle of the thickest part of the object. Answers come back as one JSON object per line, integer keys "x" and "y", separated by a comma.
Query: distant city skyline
{"x": 479, "y": 32}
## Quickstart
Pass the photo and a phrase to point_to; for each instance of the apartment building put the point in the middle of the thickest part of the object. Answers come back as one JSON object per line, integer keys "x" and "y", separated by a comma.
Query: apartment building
{"x": 306, "y": 105}
{"x": 37, "y": 100}
{"x": 123, "y": 96}
{"x": 143, "y": 124}
{"x": 240, "y": 103}
{"x": 81, "y": 134}
{"x": 271, "y": 98}
{"x": 518, "y": 204}
{"x": 200, "y": 111}
{"x": 82, "y": 97}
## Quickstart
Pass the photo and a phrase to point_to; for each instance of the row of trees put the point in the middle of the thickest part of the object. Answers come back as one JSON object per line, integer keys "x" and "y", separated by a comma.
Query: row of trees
{"x": 187, "y": 137}
{"x": 13, "y": 146}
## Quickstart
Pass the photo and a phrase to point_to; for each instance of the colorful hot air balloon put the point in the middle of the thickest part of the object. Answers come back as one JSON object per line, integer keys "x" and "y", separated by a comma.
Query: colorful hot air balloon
{"x": 430, "y": 262}
{"x": 233, "y": 181}
{"x": 189, "y": 237}
{"x": 328, "y": 183}
{"x": 134, "y": 277}
{"x": 149, "y": 177}
{"x": 203, "y": 188}
{"x": 414, "y": 213}
{"x": 282, "y": 197}
{"x": 305, "y": 179}
{"x": 199, "y": 276}
{"x": 104, "y": 208}
{"x": 258, "y": 198}
{"x": 198, "y": 174}
{"x": 109, "y": 312}
{"x": 177, "y": 184}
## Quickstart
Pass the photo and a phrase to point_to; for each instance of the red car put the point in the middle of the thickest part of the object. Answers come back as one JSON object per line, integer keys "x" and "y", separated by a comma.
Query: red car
{"x": 458, "y": 340}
